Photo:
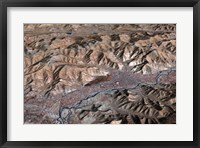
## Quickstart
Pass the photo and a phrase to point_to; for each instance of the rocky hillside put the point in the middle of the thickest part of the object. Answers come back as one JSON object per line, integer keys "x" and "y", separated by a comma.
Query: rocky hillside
{"x": 100, "y": 73}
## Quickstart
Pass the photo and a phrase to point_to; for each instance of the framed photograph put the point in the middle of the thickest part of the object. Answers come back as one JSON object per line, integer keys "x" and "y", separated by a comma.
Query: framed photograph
{"x": 99, "y": 73}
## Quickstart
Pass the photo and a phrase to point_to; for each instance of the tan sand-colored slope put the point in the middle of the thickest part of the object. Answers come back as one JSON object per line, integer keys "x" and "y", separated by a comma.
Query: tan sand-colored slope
{"x": 100, "y": 73}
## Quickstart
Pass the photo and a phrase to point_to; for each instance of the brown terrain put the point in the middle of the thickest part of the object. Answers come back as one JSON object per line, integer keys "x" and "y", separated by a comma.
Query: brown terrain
{"x": 99, "y": 74}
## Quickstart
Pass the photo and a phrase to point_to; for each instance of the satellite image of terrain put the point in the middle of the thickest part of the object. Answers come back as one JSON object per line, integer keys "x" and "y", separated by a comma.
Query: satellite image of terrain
{"x": 99, "y": 73}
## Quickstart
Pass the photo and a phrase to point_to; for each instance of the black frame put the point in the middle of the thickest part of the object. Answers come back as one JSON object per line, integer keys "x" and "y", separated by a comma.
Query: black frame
{"x": 99, "y": 3}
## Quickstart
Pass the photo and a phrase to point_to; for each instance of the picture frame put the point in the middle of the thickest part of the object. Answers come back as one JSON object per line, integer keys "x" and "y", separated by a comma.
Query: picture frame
{"x": 4, "y": 143}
